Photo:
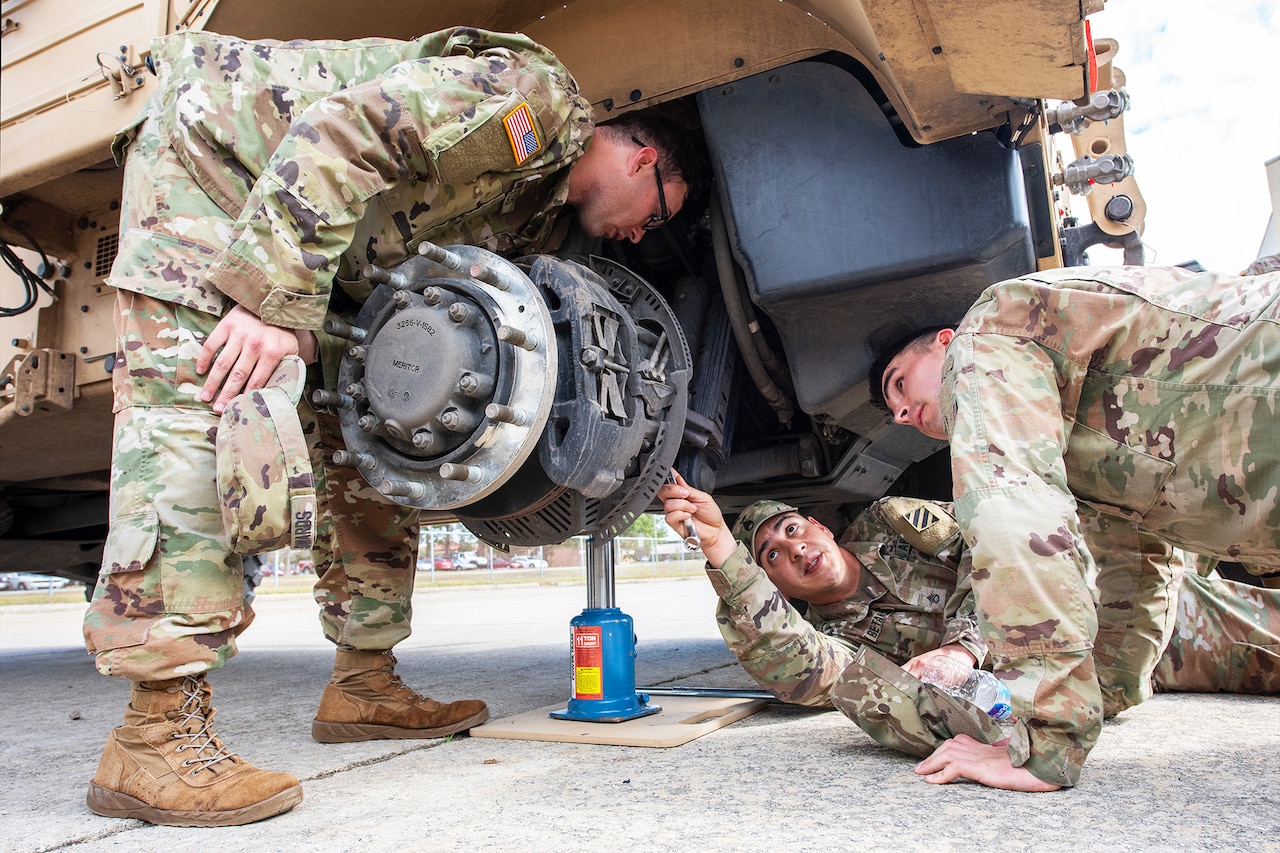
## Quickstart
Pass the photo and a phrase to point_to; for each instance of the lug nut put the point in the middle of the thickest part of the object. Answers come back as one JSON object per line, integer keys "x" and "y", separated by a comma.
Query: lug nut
{"x": 424, "y": 440}
{"x": 457, "y": 420}
{"x": 441, "y": 256}
{"x": 359, "y": 352}
{"x": 461, "y": 313}
{"x": 340, "y": 328}
{"x": 516, "y": 337}
{"x": 506, "y": 415}
{"x": 488, "y": 276}
{"x": 379, "y": 275}
{"x": 348, "y": 459}
{"x": 403, "y": 489}
{"x": 461, "y": 473}
{"x": 432, "y": 295}
{"x": 473, "y": 386}
{"x": 370, "y": 422}
{"x": 332, "y": 399}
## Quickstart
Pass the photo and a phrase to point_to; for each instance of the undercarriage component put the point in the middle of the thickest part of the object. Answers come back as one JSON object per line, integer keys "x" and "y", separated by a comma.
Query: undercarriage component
{"x": 1076, "y": 242}
{"x": 1101, "y": 106}
{"x": 1081, "y": 174}
{"x": 449, "y": 381}
{"x": 536, "y": 402}
{"x": 44, "y": 380}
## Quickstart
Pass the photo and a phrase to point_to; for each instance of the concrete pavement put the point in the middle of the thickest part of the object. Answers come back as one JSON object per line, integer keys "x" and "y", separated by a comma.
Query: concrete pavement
{"x": 1181, "y": 772}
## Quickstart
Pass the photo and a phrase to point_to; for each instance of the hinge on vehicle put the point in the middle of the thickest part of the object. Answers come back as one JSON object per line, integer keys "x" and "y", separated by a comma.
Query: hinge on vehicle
{"x": 122, "y": 70}
{"x": 45, "y": 379}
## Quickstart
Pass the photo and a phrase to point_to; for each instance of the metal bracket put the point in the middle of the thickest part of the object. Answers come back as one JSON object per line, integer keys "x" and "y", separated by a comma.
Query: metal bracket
{"x": 45, "y": 379}
{"x": 1102, "y": 105}
{"x": 127, "y": 75}
{"x": 1076, "y": 241}
{"x": 1081, "y": 174}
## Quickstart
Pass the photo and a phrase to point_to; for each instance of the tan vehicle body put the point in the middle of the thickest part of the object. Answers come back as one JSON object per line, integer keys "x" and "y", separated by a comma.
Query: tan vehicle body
{"x": 73, "y": 73}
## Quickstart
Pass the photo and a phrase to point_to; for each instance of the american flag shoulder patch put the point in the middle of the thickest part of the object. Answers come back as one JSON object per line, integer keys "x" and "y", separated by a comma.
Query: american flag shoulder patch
{"x": 522, "y": 131}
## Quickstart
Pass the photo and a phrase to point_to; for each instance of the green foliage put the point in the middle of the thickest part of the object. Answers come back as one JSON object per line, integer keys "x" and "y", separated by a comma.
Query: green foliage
{"x": 649, "y": 525}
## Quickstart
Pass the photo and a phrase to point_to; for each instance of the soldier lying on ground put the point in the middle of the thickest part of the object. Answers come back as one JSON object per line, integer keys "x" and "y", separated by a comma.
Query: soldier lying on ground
{"x": 1147, "y": 395}
{"x": 852, "y": 623}
{"x": 260, "y": 181}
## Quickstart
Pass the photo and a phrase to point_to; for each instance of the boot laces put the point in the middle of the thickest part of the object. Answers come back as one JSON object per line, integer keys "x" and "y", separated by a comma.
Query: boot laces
{"x": 413, "y": 697}
{"x": 195, "y": 719}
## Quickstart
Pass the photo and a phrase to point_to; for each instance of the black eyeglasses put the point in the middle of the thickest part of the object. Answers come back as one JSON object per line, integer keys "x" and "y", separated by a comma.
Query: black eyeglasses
{"x": 658, "y": 220}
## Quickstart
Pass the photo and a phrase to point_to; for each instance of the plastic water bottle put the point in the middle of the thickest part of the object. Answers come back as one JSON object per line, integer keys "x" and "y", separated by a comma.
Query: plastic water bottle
{"x": 972, "y": 685}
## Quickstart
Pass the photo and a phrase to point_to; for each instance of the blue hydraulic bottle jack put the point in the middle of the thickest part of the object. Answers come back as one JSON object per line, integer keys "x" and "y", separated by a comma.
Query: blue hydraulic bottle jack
{"x": 603, "y": 644}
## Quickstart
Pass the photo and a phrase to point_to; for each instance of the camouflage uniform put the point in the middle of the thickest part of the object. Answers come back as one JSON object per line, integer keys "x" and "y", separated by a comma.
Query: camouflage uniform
{"x": 260, "y": 174}
{"x": 1134, "y": 585}
{"x": 908, "y": 602}
{"x": 1149, "y": 394}
{"x": 1268, "y": 263}
{"x": 848, "y": 654}
{"x": 1226, "y": 639}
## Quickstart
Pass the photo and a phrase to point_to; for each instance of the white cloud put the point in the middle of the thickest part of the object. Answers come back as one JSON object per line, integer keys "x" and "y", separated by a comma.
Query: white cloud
{"x": 1204, "y": 79}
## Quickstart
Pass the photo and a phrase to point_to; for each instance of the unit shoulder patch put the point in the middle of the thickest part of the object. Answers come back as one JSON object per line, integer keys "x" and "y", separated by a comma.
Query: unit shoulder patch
{"x": 924, "y": 525}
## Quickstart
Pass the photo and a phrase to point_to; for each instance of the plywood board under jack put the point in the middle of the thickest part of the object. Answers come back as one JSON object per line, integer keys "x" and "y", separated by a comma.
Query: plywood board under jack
{"x": 682, "y": 719}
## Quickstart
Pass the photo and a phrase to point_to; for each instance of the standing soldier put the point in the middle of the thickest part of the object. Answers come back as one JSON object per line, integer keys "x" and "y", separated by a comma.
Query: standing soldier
{"x": 260, "y": 175}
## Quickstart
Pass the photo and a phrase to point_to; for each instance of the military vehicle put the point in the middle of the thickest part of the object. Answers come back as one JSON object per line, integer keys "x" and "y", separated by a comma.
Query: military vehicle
{"x": 877, "y": 164}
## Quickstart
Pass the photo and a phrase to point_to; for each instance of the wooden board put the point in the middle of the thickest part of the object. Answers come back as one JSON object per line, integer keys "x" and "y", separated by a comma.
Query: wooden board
{"x": 682, "y": 719}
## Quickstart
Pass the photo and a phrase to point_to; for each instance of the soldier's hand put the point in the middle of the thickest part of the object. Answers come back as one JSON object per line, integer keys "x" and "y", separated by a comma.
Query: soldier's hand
{"x": 240, "y": 354}
{"x": 962, "y": 757}
{"x": 682, "y": 502}
{"x": 916, "y": 665}
{"x": 308, "y": 345}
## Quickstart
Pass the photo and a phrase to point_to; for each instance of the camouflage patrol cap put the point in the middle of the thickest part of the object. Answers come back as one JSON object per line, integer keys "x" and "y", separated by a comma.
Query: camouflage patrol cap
{"x": 265, "y": 480}
{"x": 744, "y": 529}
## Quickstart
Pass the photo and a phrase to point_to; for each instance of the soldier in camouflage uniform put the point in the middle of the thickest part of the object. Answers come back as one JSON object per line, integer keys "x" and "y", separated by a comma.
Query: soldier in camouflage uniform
{"x": 895, "y": 591}
{"x": 259, "y": 176}
{"x": 1267, "y": 263}
{"x": 1146, "y": 395}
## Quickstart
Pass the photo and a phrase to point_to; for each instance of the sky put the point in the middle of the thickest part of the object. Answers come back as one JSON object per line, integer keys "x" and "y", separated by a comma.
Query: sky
{"x": 1204, "y": 83}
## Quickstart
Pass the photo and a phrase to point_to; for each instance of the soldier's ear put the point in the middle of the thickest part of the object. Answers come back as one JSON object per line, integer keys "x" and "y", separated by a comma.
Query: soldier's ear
{"x": 818, "y": 524}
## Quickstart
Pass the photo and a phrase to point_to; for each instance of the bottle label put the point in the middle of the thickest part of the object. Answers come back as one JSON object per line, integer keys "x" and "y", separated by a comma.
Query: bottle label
{"x": 1001, "y": 709}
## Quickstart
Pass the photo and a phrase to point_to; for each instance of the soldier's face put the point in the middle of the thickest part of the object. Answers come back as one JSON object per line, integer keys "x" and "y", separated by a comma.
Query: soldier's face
{"x": 614, "y": 189}
{"x": 802, "y": 559}
{"x": 913, "y": 385}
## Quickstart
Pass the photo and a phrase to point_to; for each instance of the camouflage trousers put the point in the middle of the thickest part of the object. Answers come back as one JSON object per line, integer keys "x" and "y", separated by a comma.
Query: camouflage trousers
{"x": 170, "y": 595}
{"x": 1135, "y": 581}
{"x": 898, "y": 710}
{"x": 1225, "y": 638}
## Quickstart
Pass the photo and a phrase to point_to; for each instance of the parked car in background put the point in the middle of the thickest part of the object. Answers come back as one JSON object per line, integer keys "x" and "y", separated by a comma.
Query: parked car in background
{"x": 444, "y": 564}
{"x": 469, "y": 560}
{"x": 26, "y": 580}
{"x": 502, "y": 562}
{"x": 528, "y": 563}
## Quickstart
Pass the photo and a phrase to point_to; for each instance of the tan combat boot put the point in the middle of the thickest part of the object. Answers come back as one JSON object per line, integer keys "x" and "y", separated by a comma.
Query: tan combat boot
{"x": 166, "y": 765}
{"x": 365, "y": 700}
